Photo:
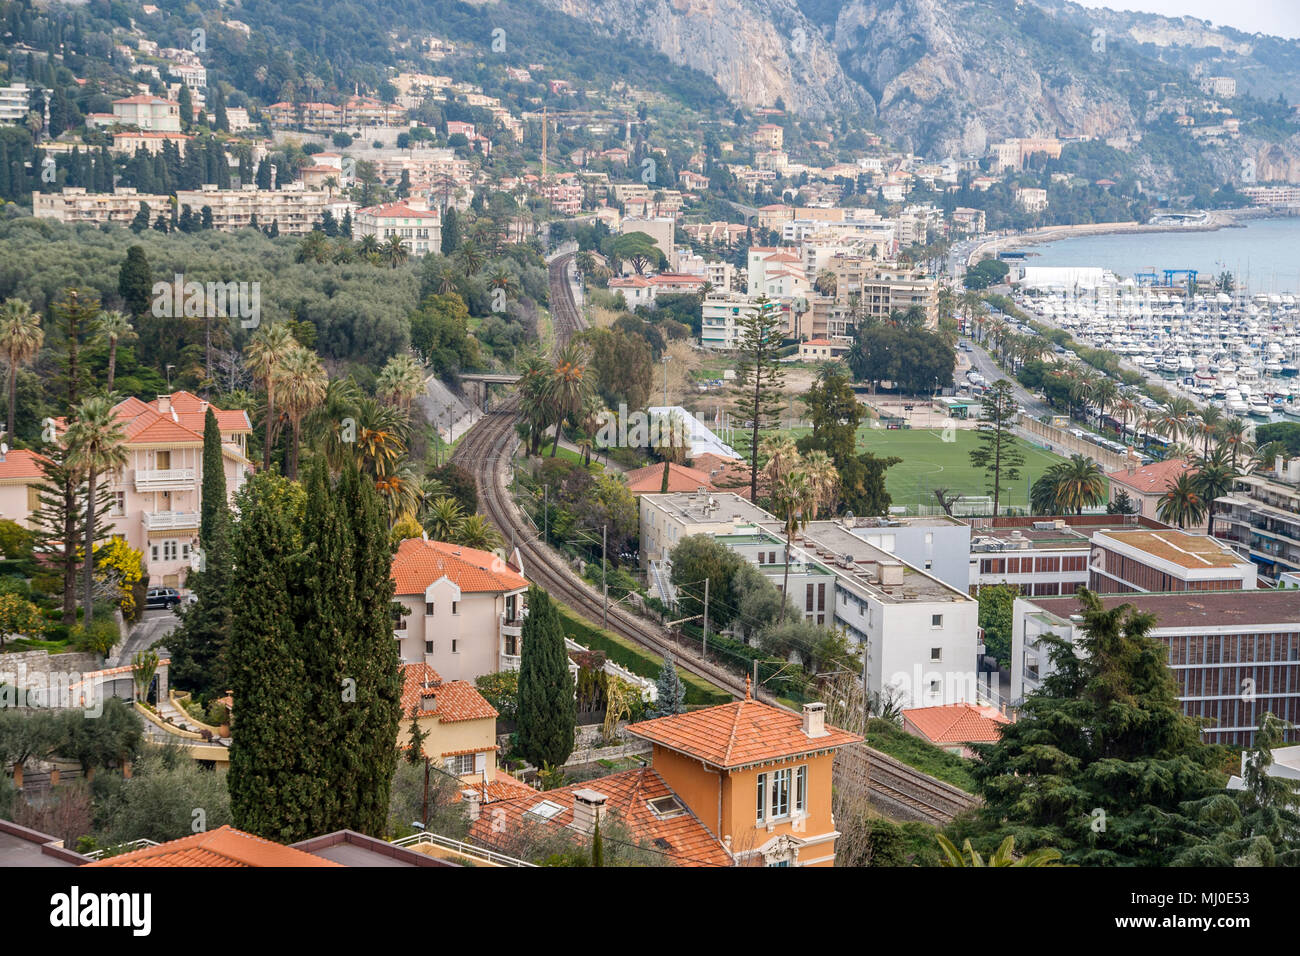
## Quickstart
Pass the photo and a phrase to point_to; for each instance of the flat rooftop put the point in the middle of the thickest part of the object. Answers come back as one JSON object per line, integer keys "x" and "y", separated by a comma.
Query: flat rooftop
{"x": 830, "y": 541}
{"x": 1066, "y": 537}
{"x": 1193, "y": 551}
{"x": 708, "y": 508}
{"x": 904, "y": 521}
{"x": 1218, "y": 609}
{"x": 20, "y": 846}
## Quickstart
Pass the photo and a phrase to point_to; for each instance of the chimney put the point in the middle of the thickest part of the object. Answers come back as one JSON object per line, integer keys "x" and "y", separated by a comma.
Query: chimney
{"x": 473, "y": 803}
{"x": 164, "y": 404}
{"x": 814, "y": 720}
{"x": 588, "y": 810}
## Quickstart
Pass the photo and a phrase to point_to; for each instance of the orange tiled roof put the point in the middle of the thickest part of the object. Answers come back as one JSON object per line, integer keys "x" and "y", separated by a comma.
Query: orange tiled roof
{"x": 1153, "y": 479}
{"x": 453, "y": 700}
{"x": 504, "y": 787}
{"x": 419, "y": 563}
{"x": 20, "y": 463}
{"x": 650, "y": 479}
{"x": 738, "y": 734}
{"x": 957, "y": 723}
{"x": 224, "y": 846}
{"x": 681, "y": 838}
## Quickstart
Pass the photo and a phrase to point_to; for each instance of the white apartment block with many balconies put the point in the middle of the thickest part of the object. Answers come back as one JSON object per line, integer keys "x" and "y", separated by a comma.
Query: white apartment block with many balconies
{"x": 411, "y": 220}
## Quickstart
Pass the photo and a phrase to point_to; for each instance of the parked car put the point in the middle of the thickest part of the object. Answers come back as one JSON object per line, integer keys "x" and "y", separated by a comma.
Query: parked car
{"x": 162, "y": 598}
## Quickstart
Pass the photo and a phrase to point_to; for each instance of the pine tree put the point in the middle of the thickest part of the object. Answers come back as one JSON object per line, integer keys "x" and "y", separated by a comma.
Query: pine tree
{"x": 1102, "y": 764}
{"x": 135, "y": 277}
{"x": 450, "y": 230}
{"x": 670, "y": 697}
{"x": 759, "y": 376}
{"x": 206, "y": 217}
{"x": 999, "y": 455}
{"x": 345, "y": 227}
{"x": 415, "y": 738}
{"x": 547, "y": 714}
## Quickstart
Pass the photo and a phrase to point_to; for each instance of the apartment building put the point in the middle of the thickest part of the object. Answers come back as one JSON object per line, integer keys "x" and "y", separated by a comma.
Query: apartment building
{"x": 73, "y": 204}
{"x": 148, "y": 113}
{"x": 870, "y": 290}
{"x": 463, "y": 608}
{"x": 919, "y": 636}
{"x": 722, "y": 313}
{"x": 769, "y": 136}
{"x": 1041, "y": 556}
{"x": 15, "y": 102}
{"x": 152, "y": 142}
{"x": 1235, "y": 655}
{"x": 1031, "y": 200}
{"x": 1011, "y": 154}
{"x": 1223, "y": 87}
{"x": 459, "y": 724}
{"x": 1261, "y": 521}
{"x": 1144, "y": 561}
{"x": 294, "y": 209}
{"x": 938, "y": 544}
{"x": 411, "y": 220}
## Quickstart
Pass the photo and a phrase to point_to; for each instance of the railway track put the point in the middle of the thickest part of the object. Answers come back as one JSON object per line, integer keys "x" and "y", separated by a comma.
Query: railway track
{"x": 485, "y": 452}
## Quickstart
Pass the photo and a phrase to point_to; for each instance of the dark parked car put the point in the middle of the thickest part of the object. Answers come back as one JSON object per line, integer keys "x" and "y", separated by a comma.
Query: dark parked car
{"x": 162, "y": 598}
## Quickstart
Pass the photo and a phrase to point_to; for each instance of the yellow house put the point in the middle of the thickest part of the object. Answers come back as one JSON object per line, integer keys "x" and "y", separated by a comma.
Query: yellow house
{"x": 461, "y": 730}
{"x": 757, "y": 776}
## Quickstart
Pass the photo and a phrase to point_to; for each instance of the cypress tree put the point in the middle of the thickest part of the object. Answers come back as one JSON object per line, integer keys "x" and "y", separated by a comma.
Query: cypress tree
{"x": 670, "y": 697}
{"x": 345, "y": 227}
{"x": 186, "y": 102}
{"x": 135, "y": 277}
{"x": 5, "y": 186}
{"x": 220, "y": 120}
{"x": 270, "y": 795}
{"x": 416, "y": 737}
{"x": 200, "y": 645}
{"x": 546, "y": 709}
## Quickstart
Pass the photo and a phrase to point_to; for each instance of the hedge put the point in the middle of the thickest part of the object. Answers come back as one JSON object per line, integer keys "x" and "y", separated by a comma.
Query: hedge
{"x": 641, "y": 662}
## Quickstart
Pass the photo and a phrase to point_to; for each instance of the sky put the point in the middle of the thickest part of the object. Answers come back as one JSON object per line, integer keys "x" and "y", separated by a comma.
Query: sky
{"x": 1278, "y": 17}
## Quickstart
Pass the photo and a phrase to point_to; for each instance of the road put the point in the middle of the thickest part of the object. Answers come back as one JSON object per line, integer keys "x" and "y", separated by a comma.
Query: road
{"x": 983, "y": 363}
{"x": 154, "y": 626}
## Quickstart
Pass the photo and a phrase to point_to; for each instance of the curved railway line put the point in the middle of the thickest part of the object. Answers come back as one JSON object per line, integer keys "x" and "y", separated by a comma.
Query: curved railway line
{"x": 486, "y": 450}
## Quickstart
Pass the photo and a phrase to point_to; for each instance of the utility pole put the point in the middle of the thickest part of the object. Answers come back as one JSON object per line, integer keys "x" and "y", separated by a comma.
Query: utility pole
{"x": 604, "y": 571}
{"x": 546, "y": 514}
{"x": 704, "y": 643}
{"x": 424, "y": 814}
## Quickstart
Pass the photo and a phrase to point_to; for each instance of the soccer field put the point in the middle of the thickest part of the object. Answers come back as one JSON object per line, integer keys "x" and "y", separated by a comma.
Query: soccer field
{"x": 930, "y": 462}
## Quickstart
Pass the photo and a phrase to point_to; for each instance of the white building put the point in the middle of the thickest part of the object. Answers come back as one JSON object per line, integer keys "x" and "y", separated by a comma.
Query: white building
{"x": 149, "y": 112}
{"x": 294, "y": 210}
{"x": 73, "y": 204}
{"x": 419, "y": 227}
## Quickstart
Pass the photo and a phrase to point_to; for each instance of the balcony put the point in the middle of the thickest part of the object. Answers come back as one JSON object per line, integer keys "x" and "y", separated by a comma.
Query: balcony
{"x": 510, "y": 628}
{"x": 168, "y": 479}
{"x": 171, "y": 521}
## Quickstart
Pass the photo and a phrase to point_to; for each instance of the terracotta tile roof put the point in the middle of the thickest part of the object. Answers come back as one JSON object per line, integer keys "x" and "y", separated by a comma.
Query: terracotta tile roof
{"x": 192, "y": 412}
{"x": 419, "y": 563}
{"x": 504, "y": 787}
{"x": 146, "y": 423}
{"x": 20, "y": 463}
{"x": 682, "y": 838}
{"x": 957, "y": 723}
{"x": 1153, "y": 479}
{"x": 738, "y": 734}
{"x": 223, "y": 847}
{"x": 454, "y": 701}
{"x": 397, "y": 210}
{"x": 650, "y": 479}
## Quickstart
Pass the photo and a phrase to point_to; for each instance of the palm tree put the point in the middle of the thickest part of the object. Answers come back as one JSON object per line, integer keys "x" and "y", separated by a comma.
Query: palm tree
{"x": 793, "y": 496}
{"x": 268, "y": 350}
{"x": 1004, "y": 855}
{"x": 826, "y": 282}
{"x": 475, "y": 531}
{"x": 96, "y": 444}
{"x": 114, "y": 327}
{"x": 567, "y": 386}
{"x": 1104, "y": 394}
{"x": 1125, "y": 408}
{"x": 315, "y": 247}
{"x": 1182, "y": 503}
{"x": 302, "y": 381}
{"x": 1076, "y": 484}
{"x": 1213, "y": 480}
{"x": 394, "y": 251}
{"x": 1211, "y": 419}
{"x": 823, "y": 477}
{"x": 367, "y": 244}
{"x": 972, "y": 303}
{"x": 445, "y": 279}
{"x": 400, "y": 488}
{"x": 1150, "y": 421}
{"x": 1175, "y": 418}
{"x": 1233, "y": 432}
{"x": 21, "y": 337}
{"x": 471, "y": 257}
{"x": 400, "y": 381}
{"x": 443, "y": 518}
{"x": 780, "y": 456}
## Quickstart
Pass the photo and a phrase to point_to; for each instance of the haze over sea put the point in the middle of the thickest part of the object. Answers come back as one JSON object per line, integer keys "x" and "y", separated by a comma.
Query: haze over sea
{"x": 1264, "y": 256}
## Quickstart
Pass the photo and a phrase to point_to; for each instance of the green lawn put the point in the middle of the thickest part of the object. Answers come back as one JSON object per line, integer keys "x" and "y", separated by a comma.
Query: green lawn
{"x": 931, "y": 462}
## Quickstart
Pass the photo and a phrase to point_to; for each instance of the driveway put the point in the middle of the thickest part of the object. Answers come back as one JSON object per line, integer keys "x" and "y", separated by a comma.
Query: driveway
{"x": 156, "y": 625}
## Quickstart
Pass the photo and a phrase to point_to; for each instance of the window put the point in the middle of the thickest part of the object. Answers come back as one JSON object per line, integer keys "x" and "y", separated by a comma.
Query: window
{"x": 453, "y": 645}
{"x": 821, "y": 598}
{"x": 936, "y": 620}
{"x": 779, "y": 802}
{"x": 801, "y": 789}
{"x": 761, "y": 803}
{"x": 461, "y": 764}
{"x": 428, "y": 647}
{"x": 119, "y": 504}
{"x": 936, "y": 653}
{"x": 808, "y": 601}
{"x": 33, "y": 497}
{"x": 929, "y": 565}
{"x": 934, "y": 688}
{"x": 428, "y": 608}
{"x": 455, "y": 607}
{"x": 762, "y": 557}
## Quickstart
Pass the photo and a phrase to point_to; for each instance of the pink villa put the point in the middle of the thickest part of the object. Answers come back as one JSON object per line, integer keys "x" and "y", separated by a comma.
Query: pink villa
{"x": 156, "y": 497}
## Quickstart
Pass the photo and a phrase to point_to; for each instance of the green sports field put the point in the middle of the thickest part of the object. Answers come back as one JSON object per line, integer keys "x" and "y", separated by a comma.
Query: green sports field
{"x": 930, "y": 462}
